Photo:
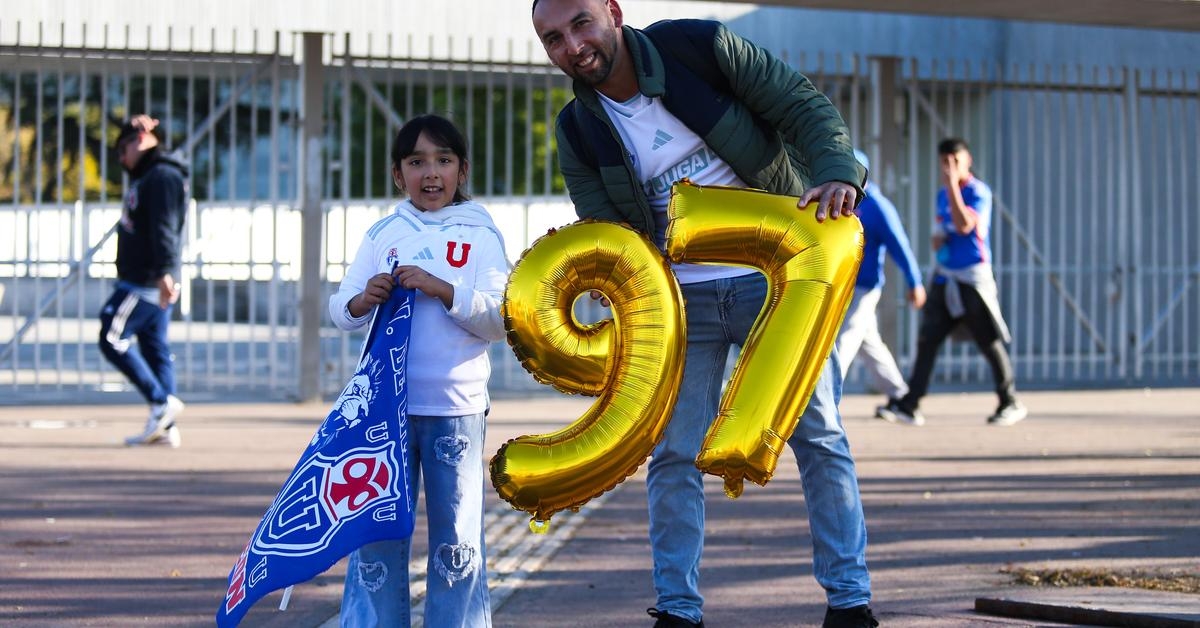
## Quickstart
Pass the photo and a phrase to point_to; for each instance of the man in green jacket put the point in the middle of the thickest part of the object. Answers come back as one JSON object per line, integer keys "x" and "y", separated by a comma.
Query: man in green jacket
{"x": 690, "y": 98}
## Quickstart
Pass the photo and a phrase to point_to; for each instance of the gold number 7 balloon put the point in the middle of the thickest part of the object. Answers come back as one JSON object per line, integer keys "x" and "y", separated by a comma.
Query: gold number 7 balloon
{"x": 810, "y": 269}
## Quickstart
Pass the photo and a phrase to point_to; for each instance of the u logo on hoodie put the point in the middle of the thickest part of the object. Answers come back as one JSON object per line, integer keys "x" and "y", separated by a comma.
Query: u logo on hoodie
{"x": 451, "y": 257}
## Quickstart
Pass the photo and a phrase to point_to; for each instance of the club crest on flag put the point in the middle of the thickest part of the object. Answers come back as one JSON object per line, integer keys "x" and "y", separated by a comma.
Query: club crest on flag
{"x": 320, "y": 498}
{"x": 351, "y": 485}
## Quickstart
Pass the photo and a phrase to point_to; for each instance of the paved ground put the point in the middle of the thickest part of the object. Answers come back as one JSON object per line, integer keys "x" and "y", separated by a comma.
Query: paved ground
{"x": 95, "y": 534}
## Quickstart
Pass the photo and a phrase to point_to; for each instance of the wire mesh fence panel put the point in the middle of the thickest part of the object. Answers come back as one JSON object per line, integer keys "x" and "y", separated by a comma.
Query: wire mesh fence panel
{"x": 1092, "y": 169}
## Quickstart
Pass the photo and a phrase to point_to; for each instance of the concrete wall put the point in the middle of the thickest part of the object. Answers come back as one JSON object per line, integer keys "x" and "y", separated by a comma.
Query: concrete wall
{"x": 976, "y": 40}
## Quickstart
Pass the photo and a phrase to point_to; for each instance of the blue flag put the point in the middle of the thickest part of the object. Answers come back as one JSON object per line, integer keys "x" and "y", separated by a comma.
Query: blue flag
{"x": 351, "y": 484}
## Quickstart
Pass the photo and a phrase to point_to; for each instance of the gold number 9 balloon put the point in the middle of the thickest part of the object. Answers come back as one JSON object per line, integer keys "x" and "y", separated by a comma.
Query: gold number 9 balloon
{"x": 634, "y": 362}
{"x": 810, "y": 270}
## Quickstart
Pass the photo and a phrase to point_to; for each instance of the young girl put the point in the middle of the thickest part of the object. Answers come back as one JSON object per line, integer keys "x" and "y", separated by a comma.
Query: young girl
{"x": 448, "y": 249}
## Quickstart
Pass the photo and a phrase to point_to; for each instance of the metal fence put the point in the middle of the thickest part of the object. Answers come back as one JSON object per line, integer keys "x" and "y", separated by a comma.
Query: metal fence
{"x": 1092, "y": 170}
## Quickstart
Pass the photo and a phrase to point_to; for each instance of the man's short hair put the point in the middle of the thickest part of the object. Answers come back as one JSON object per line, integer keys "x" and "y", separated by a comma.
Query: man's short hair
{"x": 952, "y": 145}
{"x": 127, "y": 132}
{"x": 534, "y": 7}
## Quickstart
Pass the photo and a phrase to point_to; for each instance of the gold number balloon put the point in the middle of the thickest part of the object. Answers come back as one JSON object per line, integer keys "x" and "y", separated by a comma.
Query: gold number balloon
{"x": 634, "y": 362}
{"x": 810, "y": 270}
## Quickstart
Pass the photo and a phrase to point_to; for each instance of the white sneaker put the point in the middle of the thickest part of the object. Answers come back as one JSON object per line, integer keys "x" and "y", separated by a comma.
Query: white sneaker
{"x": 174, "y": 439}
{"x": 171, "y": 438}
{"x": 893, "y": 412}
{"x": 160, "y": 423}
{"x": 1009, "y": 412}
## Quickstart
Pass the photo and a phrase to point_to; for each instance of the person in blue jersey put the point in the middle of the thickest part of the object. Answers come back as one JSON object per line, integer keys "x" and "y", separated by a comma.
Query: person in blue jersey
{"x": 963, "y": 295}
{"x": 447, "y": 247}
{"x": 882, "y": 234}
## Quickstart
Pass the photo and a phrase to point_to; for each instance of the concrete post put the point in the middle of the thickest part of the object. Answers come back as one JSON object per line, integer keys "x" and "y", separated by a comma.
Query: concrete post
{"x": 311, "y": 306}
{"x": 884, "y": 148}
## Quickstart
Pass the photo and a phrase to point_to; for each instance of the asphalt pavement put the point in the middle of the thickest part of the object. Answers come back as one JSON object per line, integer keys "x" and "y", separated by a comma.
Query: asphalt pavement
{"x": 93, "y": 533}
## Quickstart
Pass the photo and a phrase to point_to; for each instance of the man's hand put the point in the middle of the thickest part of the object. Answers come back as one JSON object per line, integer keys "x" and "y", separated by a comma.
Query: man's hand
{"x": 950, "y": 171}
{"x": 834, "y": 199}
{"x": 916, "y": 296}
{"x": 168, "y": 291}
{"x": 144, "y": 123}
{"x": 937, "y": 239}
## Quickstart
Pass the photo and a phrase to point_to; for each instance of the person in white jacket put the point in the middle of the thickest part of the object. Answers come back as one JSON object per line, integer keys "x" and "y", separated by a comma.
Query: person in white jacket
{"x": 448, "y": 248}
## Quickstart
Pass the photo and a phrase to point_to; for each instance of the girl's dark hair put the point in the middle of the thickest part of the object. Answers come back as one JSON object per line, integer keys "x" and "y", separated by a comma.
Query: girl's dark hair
{"x": 441, "y": 132}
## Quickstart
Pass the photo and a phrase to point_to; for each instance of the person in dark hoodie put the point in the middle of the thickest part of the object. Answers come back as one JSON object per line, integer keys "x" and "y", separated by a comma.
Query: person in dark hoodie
{"x": 148, "y": 254}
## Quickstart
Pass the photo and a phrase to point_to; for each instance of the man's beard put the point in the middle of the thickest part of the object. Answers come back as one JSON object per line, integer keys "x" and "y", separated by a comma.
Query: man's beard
{"x": 604, "y": 64}
{"x": 598, "y": 75}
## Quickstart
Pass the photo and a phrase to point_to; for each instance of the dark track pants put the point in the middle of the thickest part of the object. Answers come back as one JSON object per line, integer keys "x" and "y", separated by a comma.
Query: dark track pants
{"x": 147, "y": 364}
{"x": 937, "y": 324}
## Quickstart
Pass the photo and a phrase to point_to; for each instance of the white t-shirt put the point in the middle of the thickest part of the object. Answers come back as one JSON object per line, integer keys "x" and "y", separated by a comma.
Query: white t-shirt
{"x": 664, "y": 151}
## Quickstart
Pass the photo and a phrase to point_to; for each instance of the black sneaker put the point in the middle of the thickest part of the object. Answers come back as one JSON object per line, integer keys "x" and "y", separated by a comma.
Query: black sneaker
{"x": 667, "y": 620}
{"x": 895, "y": 412}
{"x": 1009, "y": 412}
{"x": 853, "y": 617}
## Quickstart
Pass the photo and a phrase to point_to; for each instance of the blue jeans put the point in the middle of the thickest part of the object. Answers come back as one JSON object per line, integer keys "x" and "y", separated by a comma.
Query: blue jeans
{"x": 148, "y": 366}
{"x": 449, "y": 452}
{"x": 720, "y": 314}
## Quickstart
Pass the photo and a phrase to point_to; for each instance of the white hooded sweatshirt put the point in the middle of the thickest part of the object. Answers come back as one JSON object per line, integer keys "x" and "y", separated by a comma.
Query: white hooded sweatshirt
{"x": 448, "y": 364}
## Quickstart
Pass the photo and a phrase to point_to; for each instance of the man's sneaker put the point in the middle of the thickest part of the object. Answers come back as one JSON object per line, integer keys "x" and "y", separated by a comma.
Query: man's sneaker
{"x": 1009, "y": 412}
{"x": 160, "y": 422}
{"x": 894, "y": 412}
{"x": 854, "y": 617}
{"x": 667, "y": 620}
{"x": 174, "y": 439}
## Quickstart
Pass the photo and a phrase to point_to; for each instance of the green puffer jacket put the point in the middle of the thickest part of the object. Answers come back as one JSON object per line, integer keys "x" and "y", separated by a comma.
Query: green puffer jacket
{"x": 777, "y": 132}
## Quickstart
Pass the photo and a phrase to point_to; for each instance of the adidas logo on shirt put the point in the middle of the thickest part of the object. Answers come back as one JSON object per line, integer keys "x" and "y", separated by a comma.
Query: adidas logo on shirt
{"x": 660, "y": 139}
{"x": 424, "y": 253}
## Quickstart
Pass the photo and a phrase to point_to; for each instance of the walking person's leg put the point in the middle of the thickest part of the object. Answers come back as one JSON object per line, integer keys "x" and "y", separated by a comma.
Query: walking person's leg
{"x": 122, "y": 319}
{"x": 877, "y": 359}
{"x": 991, "y": 346}
{"x": 936, "y": 325}
{"x": 860, "y": 318}
{"x": 156, "y": 349}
